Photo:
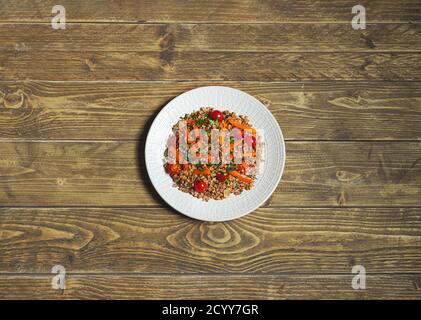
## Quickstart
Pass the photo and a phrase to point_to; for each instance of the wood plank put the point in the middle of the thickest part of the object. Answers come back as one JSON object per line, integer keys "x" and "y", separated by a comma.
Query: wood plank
{"x": 210, "y": 287}
{"x": 170, "y": 65}
{"x": 351, "y": 174}
{"x": 156, "y": 240}
{"x": 212, "y": 11}
{"x": 305, "y": 111}
{"x": 211, "y": 37}
{"x": 113, "y": 173}
{"x": 73, "y": 173}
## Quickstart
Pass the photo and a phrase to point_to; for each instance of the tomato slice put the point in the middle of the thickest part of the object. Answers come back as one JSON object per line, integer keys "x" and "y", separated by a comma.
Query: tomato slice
{"x": 173, "y": 169}
{"x": 241, "y": 168}
{"x": 221, "y": 177}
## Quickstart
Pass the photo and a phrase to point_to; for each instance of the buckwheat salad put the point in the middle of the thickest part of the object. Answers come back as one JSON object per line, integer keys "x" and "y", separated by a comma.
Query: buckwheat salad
{"x": 212, "y": 175}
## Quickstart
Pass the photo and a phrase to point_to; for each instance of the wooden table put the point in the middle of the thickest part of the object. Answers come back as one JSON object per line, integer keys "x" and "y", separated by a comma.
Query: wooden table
{"x": 76, "y": 104}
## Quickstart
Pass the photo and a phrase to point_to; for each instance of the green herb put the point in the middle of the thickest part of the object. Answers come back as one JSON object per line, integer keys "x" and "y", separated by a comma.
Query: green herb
{"x": 232, "y": 139}
{"x": 231, "y": 167}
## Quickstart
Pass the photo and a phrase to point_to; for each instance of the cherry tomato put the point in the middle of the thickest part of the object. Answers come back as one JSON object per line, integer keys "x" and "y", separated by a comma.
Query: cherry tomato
{"x": 221, "y": 177}
{"x": 217, "y": 115}
{"x": 241, "y": 168}
{"x": 200, "y": 186}
{"x": 173, "y": 169}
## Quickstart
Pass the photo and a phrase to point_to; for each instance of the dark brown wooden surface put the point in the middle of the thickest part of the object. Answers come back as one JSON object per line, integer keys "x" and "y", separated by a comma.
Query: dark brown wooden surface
{"x": 210, "y": 66}
{"x": 302, "y": 37}
{"x": 123, "y": 111}
{"x": 76, "y": 105}
{"x": 210, "y": 287}
{"x": 244, "y": 11}
{"x": 158, "y": 240}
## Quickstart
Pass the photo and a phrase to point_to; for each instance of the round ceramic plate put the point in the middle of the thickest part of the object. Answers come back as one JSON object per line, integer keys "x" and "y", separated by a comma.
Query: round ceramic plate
{"x": 223, "y": 98}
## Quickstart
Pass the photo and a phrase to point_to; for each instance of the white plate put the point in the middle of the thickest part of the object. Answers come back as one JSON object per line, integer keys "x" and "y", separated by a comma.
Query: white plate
{"x": 222, "y": 98}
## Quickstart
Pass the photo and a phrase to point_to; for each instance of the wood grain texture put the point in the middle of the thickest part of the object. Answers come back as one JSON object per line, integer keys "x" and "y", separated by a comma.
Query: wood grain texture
{"x": 160, "y": 241}
{"x": 169, "y": 65}
{"x": 326, "y": 37}
{"x": 113, "y": 173}
{"x": 104, "y": 173}
{"x": 76, "y": 104}
{"x": 351, "y": 174}
{"x": 210, "y": 287}
{"x": 123, "y": 111}
{"x": 247, "y": 11}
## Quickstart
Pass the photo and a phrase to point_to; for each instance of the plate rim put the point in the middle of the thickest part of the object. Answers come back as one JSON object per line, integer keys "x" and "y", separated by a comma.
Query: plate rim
{"x": 236, "y": 216}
